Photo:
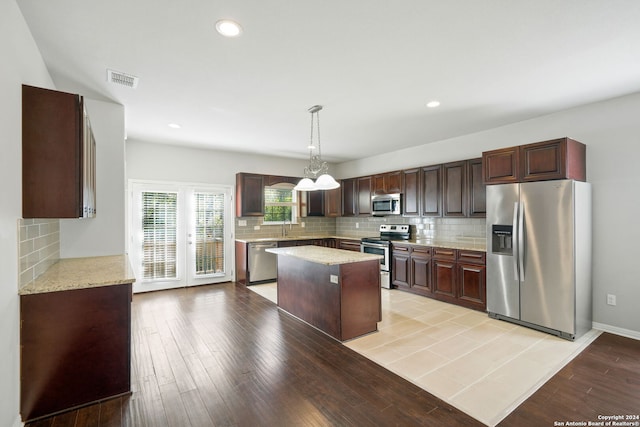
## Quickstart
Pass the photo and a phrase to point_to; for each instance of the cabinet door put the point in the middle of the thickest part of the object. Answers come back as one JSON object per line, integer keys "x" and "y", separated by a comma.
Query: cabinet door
{"x": 332, "y": 202}
{"x": 394, "y": 182}
{"x": 444, "y": 279}
{"x": 315, "y": 203}
{"x": 476, "y": 190}
{"x": 472, "y": 285}
{"x": 349, "y": 197}
{"x": 454, "y": 186}
{"x": 249, "y": 194}
{"x": 349, "y": 245}
{"x": 421, "y": 269}
{"x": 364, "y": 196}
{"x": 379, "y": 184}
{"x": 411, "y": 193}
{"x": 431, "y": 191}
{"x": 401, "y": 266}
{"x": 501, "y": 166}
{"x": 52, "y": 154}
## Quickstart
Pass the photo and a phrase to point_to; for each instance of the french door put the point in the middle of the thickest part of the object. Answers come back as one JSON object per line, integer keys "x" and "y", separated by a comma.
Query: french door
{"x": 181, "y": 235}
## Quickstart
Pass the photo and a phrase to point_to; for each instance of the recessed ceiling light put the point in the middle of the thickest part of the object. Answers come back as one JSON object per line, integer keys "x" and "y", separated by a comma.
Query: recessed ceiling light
{"x": 228, "y": 28}
{"x": 174, "y": 126}
{"x": 433, "y": 104}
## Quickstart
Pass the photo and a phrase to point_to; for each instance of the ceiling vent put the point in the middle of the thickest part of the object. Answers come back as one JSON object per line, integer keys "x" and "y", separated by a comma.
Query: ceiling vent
{"x": 116, "y": 77}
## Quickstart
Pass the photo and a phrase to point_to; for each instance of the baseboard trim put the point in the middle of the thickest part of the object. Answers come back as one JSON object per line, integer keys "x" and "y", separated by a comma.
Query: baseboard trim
{"x": 617, "y": 331}
{"x": 18, "y": 422}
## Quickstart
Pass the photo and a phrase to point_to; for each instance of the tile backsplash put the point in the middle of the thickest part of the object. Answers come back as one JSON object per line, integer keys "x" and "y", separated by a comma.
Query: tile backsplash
{"x": 39, "y": 247}
{"x": 447, "y": 229}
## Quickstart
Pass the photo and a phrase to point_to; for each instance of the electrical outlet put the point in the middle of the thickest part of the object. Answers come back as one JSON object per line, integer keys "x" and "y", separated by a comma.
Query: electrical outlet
{"x": 333, "y": 278}
{"x": 242, "y": 223}
{"x": 256, "y": 227}
{"x": 611, "y": 299}
{"x": 302, "y": 224}
{"x": 357, "y": 225}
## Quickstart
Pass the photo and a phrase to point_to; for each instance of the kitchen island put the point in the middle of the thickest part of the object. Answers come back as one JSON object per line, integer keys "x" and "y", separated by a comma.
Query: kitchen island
{"x": 334, "y": 290}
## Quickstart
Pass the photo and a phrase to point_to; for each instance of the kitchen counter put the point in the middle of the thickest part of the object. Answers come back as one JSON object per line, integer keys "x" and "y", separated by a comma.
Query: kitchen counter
{"x": 471, "y": 244}
{"x": 82, "y": 273}
{"x": 325, "y": 256}
{"x": 293, "y": 238}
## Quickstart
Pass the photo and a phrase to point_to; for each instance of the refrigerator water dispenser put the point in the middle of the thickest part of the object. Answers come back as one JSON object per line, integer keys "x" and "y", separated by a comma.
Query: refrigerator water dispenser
{"x": 501, "y": 239}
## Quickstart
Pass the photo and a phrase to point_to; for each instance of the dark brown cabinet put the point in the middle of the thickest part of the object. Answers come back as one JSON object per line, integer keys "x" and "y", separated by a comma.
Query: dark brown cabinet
{"x": 75, "y": 348}
{"x": 472, "y": 274}
{"x": 411, "y": 192}
{"x": 315, "y": 203}
{"x": 456, "y": 276}
{"x": 349, "y": 197}
{"x": 332, "y": 203}
{"x": 411, "y": 268}
{"x": 463, "y": 193}
{"x": 348, "y": 244}
{"x": 58, "y": 156}
{"x": 561, "y": 158}
{"x": 364, "y": 196}
{"x": 476, "y": 190}
{"x": 249, "y": 194}
{"x": 431, "y": 191}
{"x": 454, "y": 184}
{"x": 387, "y": 183}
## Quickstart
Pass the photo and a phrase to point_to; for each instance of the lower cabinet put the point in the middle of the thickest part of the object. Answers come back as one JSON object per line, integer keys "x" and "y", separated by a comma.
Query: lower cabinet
{"x": 348, "y": 245}
{"x": 75, "y": 348}
{"x": 455, "y": 276}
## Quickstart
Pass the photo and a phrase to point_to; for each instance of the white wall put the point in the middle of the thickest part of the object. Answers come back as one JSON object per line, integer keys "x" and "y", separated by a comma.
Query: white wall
{"x": 104, "y": 234}
{"x": 611, "y": 131}
{"x": 170, "y": 163}
{"x": 21, "y": 63}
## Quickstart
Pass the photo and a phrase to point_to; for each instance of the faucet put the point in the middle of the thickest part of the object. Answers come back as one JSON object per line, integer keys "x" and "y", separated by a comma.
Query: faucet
{"x": 284, "y": 223}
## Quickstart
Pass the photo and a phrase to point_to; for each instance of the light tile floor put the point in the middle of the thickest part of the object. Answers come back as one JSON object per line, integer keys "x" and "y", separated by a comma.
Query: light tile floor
{"x": 482, "y": 366}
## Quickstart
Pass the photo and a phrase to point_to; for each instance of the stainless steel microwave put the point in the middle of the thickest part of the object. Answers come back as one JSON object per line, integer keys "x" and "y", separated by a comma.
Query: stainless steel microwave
{"x": 386, "y": 204}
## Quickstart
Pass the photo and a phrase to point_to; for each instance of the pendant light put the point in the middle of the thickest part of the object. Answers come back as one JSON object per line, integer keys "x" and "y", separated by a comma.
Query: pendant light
{"x": 316, "y": 166}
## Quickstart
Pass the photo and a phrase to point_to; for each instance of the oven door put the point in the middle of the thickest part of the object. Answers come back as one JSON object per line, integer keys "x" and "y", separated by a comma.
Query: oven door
{"x": 377, "y": 249}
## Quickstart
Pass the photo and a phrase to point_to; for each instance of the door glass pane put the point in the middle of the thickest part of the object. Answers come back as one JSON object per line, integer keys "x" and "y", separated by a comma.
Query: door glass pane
{"x": 209, "y": 233}
{"x": 159, "y": 228}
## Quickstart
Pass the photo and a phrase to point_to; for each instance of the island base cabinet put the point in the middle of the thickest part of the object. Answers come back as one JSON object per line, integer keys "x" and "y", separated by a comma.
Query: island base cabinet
{"x": 341, "y": 300}
{"x": 75, "y": 348}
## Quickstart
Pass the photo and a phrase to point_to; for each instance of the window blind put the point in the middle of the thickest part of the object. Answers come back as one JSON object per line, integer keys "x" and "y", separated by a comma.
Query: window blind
{"x": 209, "y": 229}
{"x": 160, "y": 231}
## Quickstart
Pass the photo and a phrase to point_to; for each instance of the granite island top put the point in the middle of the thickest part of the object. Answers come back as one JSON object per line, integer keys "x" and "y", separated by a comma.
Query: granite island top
{"x": 81, "y": 273}
{"x": 322, "y": 255}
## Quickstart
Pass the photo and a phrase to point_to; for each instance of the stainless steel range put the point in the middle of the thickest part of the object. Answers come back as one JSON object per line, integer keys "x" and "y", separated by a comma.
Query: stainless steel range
{"x": 381, "y": 245}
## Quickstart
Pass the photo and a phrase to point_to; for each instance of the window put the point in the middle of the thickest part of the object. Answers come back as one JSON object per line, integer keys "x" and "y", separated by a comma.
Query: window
{"x": 280, "y": 205}
{"x": 159, "y": 229}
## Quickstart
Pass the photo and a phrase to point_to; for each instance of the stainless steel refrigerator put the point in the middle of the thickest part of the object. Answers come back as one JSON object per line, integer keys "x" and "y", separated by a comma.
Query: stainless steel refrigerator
{"x": 539, "y": 255}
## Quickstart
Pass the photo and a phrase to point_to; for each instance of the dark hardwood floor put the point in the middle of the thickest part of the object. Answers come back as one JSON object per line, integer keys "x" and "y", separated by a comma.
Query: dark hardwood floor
{"x": 221, "y": 355}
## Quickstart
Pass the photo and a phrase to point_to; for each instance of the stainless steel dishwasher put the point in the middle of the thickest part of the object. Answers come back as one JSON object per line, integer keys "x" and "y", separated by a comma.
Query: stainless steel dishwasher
{"x": 263, "y": 266}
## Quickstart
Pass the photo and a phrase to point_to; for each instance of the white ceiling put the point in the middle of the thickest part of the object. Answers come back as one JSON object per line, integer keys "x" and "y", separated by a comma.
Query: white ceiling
{"x": 372, "y": 64}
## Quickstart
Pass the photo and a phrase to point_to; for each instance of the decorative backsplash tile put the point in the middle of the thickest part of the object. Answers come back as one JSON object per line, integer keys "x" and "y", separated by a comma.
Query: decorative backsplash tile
{"x": 39, "y": 247}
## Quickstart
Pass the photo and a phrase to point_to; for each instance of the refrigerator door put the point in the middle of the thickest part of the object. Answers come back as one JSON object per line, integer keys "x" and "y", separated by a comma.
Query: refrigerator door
{"x": 503, "y": 288}
{"x": 547, "y": 290}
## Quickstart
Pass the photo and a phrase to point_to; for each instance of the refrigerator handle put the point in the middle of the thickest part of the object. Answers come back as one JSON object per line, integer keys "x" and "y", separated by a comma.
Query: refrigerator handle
{"x": 521, "y": 242}
{"x": 515, "y": 245}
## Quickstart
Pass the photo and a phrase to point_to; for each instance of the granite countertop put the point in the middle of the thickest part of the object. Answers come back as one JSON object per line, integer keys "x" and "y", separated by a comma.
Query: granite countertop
{"x": 326, "y": 256}
{"x": 470, "y": 244}
{"x": 466, "y": 243}
{"x": 286, "y": 238}
{"x": 81, "y": 273}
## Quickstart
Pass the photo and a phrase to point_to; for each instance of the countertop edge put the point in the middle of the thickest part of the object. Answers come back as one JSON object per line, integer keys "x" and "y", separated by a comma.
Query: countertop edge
{"x": 82, "y": 273}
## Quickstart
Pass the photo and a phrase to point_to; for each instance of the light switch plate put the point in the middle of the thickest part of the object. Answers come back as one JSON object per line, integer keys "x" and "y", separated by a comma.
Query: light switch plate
{"x": 333, "y": 278}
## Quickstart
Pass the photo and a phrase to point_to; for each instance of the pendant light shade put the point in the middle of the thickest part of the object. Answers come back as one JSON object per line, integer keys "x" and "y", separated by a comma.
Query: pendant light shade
{"x": 316, "y": 166}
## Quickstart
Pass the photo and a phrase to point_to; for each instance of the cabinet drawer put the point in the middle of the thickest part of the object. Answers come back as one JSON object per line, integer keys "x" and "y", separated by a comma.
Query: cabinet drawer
{"x": 445, "y": 253}
{"x": 401, "y": 249}
{"x": 421, "y": 251}
{"x": 473, "y": 257}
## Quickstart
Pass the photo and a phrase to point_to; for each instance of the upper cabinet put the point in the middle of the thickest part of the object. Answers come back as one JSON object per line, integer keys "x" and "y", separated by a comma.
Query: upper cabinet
{"x": 58, "y": 156}
{"x": 431, "y": 191}
{"x": 249, "y": 194}
{"x": 387, "y": 183}
{"x": 332, "y": 202}
{"x": 364, "y": 196}
{"x": 411, "y": 192}
{"x": 477, "y": 194}
{"x": 562, "y": 158}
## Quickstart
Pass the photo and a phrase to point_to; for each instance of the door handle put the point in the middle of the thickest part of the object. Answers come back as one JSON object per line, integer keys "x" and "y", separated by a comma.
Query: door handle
{"x": 516, "y": 246}
{"x": 521, "y": 242}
